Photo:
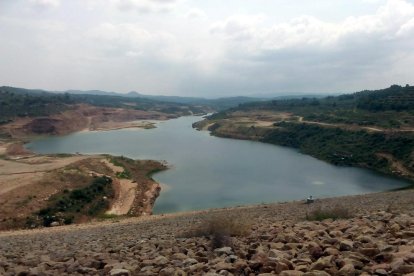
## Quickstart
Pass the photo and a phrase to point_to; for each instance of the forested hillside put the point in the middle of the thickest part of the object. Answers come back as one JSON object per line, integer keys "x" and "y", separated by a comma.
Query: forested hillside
{"x": 18, "y": 102}
{"x": 370, "y": 129}
{"x": 390, "y": 107}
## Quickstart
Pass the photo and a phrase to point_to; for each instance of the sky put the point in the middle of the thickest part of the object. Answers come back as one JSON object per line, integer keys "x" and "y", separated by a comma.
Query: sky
{"x": 207, "y": 48}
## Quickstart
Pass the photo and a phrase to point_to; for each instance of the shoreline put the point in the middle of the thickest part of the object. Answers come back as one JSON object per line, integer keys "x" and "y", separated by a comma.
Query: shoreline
{"x": 13, "y": 151}
{"x": 149, "y": 198}
{"x": 275, "y": 239}
{"x": 371, "y": 203}
{"x": 404, "y": 174}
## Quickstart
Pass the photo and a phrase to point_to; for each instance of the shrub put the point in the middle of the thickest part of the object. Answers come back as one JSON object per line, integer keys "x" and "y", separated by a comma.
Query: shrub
{"x": 220, "y": 229}
{"x": 87, "y": 201}
{"x": 337, "y": 212}
{"x": 124, "y": 174}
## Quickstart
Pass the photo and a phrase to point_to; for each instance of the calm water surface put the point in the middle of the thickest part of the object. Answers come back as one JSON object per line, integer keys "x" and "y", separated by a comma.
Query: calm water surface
{"x": 214, "y": 172}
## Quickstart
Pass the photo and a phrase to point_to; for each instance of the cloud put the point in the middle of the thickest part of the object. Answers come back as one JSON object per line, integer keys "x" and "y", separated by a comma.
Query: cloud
{"x": 94, "y": 45}
{"x": 196, "y": 14}
{"x": 146, "y": 6}
{"x": 310, "y": 54}
{"x": 238, "y": 27}
{"x": 45, "y": 3}
{"x": 391, "y": 20}
{"x": 134, "y": 41}
{"x": 407, "y": 28}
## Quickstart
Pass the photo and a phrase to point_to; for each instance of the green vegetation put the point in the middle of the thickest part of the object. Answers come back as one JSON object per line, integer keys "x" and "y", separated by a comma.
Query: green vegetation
{"x": 119, "y": 162}
{"x": 125, "y": 174}
{"x": 136, "y": 169}
{"x": 61, "y": 155}
{"x": 335, "y": 213}
{"x": 369, "y": 129}
{"x": 343, "y": 147}
{"x": 88, "y": 201}
{"x": 392, "y": 107}
{"x": 14, "y": 104}
{"x": 105, "y": 216}
{"x": 18, "y": 102}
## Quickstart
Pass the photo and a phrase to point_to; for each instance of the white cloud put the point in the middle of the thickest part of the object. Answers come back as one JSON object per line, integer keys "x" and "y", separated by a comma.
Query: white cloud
{"x": 45, "y": 3}
{"x": 239, "y": 27}
{"x": 393, "y": 19}
{"x": 91, "y": 43}
{"x": 146, "y": 6}
{"x": 407, "y": 29}
{"x": 196, "y": 14}
{"x": 134, "y": 41}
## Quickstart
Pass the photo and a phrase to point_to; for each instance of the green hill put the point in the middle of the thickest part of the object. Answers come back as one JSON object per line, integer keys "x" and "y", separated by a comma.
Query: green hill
{"x": 369, "y": 129}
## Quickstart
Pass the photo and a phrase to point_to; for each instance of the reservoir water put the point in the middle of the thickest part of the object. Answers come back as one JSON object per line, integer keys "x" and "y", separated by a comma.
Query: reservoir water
{"x": 209, "y": 172}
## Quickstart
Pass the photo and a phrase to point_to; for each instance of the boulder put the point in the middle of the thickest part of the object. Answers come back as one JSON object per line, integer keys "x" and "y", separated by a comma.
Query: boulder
{"x": 224, "y": 250}
{"x": 119, "y": 272}
{"x": 346, "y": 245}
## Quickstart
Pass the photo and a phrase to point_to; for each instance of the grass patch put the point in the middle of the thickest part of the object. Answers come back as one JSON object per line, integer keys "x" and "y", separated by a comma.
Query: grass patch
{"x": 61, "y": 155}
{"x": 136, "y": 169}
{"x": 124, "y": 174}
{"x": 108, "y": 216}
{"x": 335, "y": 213}
{"x": 120, "y": 162}
{"x": 220, "y": 229}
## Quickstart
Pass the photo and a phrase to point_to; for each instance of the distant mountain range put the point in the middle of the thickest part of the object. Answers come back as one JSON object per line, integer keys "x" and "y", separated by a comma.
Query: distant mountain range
{"x": 217, "y": 103}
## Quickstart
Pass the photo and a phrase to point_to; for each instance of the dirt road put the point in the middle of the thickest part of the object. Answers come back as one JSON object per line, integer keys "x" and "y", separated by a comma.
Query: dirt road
{"x": 125, "y": 191}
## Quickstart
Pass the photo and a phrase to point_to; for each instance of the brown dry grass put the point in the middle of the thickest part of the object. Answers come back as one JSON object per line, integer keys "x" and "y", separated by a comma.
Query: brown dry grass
{"x": 24, "y": 193}
{"x": 336, "y": 212}
{"x": 220, "y": 229}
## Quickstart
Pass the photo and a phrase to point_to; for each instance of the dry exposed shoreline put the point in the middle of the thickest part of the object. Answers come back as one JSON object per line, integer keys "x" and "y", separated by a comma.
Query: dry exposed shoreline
{"x": 23, "y": 173}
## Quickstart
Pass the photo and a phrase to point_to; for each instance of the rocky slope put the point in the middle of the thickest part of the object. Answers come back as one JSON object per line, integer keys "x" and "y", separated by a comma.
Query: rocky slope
{"x": 377, "y": 240}
{"x": 80, "y": 117}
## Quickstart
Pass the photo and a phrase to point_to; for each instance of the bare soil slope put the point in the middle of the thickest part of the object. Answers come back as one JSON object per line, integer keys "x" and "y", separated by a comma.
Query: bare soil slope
{"x": 81, "y": 117}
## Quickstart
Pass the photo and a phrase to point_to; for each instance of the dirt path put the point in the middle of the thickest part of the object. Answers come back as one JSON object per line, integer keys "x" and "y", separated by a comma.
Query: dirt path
{"x": 263, "y": 123}
{"x": 125, "y": 191}
{"x": 354, "y": 127}
{"x": 105, "y": 126}
{"x": 125, "y": 197}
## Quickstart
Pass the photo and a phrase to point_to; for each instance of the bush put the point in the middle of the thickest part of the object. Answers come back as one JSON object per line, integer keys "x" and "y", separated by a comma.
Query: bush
{"x": 220, "y": 229}
{"x": 87, "y": 201}
{"x": 337, "y": 212}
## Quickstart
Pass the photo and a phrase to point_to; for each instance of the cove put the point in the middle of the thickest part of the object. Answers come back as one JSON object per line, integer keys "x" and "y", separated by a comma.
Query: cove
{"x": 212, "y": 172}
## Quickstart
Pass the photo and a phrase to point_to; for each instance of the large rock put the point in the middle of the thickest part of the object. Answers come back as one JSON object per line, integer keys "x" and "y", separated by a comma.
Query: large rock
{"x": 369, "y": 252}
{"x": 189, "y": 262}
{"x": 161, "y": 260}
{"x": 119, "y": 272}
{"x": 322, "y": 263}
{"x": 224, "y": 266}
{"x": 346, "y": 245}
{"x": 316, "y": 273}
{"x": 347, "y": 270}
{"x": 291, "y": 273}
{"x": 224, "y": 250}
